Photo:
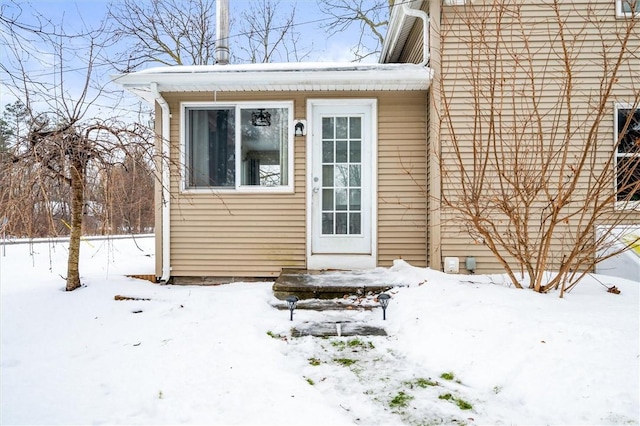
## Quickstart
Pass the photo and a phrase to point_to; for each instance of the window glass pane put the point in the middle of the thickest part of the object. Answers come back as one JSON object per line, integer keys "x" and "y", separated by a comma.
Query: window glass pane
{"x": 342, "y": 175}
{"x": 210, "y": 147}
{"x": 629, "y": 124}
{"x": 341, "y": 223}
{"x": 354, "y": 151}
{"x": 327, "y": 199}
{"x": 354, "y": 175}
{"x": 327, "y": 128}
{"x": 341, "y": 127}
{"x": 355, "y": 127}
{"x": 341, "y": 199}
{"x": 354, "y": 224}
{"x": 626, "y": 5}
{"x": 354, "y": 199}
{"x": 264, "y": 146}
{"x": 327, "y": 176}
{"x": 628, "y": 178}
{"x": 327, "y": 151}
{"x": 628, "y": 158}
{"x": 341, "y": 151}
{"x": 327, "y": 223}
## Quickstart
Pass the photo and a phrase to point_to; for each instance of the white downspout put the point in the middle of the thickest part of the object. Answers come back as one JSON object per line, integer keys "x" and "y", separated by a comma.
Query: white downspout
{"x": 166, "y": 196}
{"x": 425, "y": 30}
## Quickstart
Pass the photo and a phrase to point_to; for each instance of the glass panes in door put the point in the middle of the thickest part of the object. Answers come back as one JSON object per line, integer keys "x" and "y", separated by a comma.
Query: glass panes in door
{"x": 341, "y": 175}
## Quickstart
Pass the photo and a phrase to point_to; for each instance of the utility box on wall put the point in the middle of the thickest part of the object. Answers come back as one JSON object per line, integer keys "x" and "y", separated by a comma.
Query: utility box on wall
{"x": 451, "y": 265}
{"x": 470, "y": 264}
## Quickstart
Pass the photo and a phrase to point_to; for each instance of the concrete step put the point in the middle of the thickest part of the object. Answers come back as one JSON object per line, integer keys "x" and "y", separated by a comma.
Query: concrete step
{"x": 344, "y": 304}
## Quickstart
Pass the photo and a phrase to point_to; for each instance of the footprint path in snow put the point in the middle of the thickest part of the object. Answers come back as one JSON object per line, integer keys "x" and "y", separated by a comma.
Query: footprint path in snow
{"x": 375, "y": 385}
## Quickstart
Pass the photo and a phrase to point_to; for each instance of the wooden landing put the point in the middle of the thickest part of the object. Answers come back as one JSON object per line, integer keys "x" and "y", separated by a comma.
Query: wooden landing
{"x": 306, "y": 284}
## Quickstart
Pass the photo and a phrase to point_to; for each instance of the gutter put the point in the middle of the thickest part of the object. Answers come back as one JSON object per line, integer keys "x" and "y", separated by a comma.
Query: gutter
{"x": 166, "y": 196}
{"x": 425, "y": 30}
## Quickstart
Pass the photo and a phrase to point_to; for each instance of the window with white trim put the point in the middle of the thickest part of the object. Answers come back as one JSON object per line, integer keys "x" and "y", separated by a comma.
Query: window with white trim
{"x": 627, "y": 8}
{"x": 243, "y": 146}
{"x": 627, "y": 132}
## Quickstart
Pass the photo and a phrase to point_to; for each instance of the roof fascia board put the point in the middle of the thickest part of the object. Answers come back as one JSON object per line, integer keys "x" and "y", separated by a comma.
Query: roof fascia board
{"x": 401, "y": 77}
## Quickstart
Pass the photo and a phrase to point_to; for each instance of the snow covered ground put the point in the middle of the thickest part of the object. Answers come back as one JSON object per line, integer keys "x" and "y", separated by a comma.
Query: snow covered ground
{"x": 626, "y": 264}
{"x": 458, "y": 351}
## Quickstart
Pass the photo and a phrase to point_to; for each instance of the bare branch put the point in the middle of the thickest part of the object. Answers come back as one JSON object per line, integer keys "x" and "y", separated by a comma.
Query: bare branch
{"x": 165, "y": 32}
{"x": 370, "y": 16}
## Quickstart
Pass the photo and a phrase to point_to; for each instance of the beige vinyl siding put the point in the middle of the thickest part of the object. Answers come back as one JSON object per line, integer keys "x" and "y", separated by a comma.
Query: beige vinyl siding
{"x": 458, "y": 43}
{"x": 227, "y": 234}
{"x": 402, "y": 179}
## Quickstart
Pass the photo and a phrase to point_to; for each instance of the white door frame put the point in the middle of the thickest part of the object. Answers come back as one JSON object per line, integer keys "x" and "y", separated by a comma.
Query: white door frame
{"x": 344, "y": 261}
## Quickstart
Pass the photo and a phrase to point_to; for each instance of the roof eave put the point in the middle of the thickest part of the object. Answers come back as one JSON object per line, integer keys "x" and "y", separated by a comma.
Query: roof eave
{"x": 401, "y": 78}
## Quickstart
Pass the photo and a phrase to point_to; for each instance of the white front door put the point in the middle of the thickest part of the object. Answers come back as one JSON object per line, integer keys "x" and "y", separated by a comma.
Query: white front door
{"x": 342, "y": 184}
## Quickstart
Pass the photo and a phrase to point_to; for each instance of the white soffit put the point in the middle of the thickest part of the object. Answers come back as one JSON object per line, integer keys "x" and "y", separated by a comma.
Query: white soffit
{"x": 277, "y": 77}
{"x": 398, "y": 30}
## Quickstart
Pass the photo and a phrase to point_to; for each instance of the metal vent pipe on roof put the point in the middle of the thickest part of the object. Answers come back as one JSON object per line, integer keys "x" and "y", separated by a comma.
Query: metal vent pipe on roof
{"x": 222, "y": 32}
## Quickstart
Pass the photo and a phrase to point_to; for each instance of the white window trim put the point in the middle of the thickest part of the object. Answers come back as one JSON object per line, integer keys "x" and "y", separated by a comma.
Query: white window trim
{"x": 456, "y": 2}
{"x": 621, "y": 205}
{"x": 621, "y": 14}
{"x": 248, "y": 189}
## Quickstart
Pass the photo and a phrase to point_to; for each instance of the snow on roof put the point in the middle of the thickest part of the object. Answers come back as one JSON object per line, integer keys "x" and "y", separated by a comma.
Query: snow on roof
{"x": 271, "y": 67}
{"x": 300, "y": 76}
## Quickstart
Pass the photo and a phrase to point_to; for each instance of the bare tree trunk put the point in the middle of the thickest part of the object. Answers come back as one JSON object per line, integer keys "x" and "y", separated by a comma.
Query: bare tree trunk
{"x": 62, "y": 149}
{"x": 77, "y": 204}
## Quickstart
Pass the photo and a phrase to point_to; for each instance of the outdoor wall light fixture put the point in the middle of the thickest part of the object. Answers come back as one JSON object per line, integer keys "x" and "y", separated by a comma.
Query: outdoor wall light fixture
{"x": 383, "y": 298}
{"x": 261, "y": 118}
{"x": 300, "y": 127}
{"x": 292, "y": 302}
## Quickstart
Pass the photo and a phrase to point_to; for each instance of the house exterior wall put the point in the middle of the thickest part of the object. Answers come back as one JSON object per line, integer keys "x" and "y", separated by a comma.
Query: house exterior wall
{"x": 523, "y": 25}
{"x": 226, "y": 234}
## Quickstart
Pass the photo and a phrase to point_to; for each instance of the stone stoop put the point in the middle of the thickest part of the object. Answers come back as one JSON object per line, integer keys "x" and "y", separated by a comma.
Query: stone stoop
{"x": 331, "y": 292}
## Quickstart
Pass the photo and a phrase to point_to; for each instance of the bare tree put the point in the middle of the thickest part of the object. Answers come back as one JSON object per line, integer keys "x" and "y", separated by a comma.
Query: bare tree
{"x": 528, "y": 165}
{"x": 165, "y": 32}
{"x": 64, "y": 140}
{"x": 269, "y": 35}
{"x": 121, "y": 198}
{"x": 371, "y": 17}
{"x": 182, "y": 32}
